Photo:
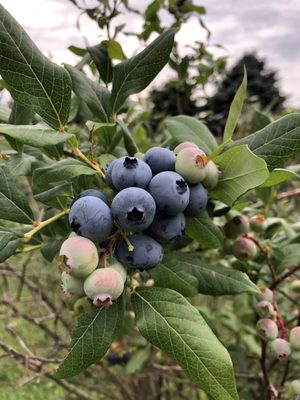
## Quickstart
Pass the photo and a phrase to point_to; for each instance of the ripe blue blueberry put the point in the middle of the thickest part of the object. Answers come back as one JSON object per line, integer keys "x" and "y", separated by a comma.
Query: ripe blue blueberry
{"x": 170, "y": 192}
{"x": 198, "y": 200}
{"x": 129, "y": 172}
{"x": 147, "y": 253}
{"x": 90, "y": 217}
{"x": 166, "y": 228}
{"x": 133, "y": 209}
{"x": 93, "y": 193}
{"x": 108, "y": 174}
{"x": 160, "y": 159}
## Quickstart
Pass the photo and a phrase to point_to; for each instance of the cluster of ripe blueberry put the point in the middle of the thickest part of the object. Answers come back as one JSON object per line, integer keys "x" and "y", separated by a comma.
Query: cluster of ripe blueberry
{"x": 268, "y": 330}
{"x": 155, "y": 195}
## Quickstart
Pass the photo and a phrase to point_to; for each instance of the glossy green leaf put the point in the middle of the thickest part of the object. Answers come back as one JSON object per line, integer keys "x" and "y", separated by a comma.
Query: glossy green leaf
{"x": 241, "y": 170}
{"x": 170, "y": 273}
{"x": 259, "y": 121}
{"x": 183, "y": 128}
{"x": 21, "y": 164}
{"x": 235, "y": 109}
{"x": 13, "y": 203}
{"x": 32, "y": 79}
{"x": 135, "y": 74}
{"x": 34, "y": 135}
{"x": 57, "y": 197}
{"x": 50, "y": 249}
{"x": 92, "y": 93}
{"x": 279, "y": 175}
{"x": 167, "y": 320}
{"x": 104, "y": 132}
{"x": 129, "y": 142}
{"x": 277, "y": 142}
{"x": 63, "y": 170}
{"x": 91, "y": 339}
{"x": 99, "y": 55}
{"x": 8, "y": 244}
{"x": 115, "y": 50}
{"x": 204, "y": 231}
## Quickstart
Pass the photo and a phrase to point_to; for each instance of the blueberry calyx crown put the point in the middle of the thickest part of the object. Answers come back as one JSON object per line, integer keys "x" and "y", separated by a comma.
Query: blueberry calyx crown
{"x": 130, "y": 163}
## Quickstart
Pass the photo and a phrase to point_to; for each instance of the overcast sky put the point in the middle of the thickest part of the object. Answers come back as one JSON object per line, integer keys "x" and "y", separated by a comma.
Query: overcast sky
{"x": 270, "y": 27}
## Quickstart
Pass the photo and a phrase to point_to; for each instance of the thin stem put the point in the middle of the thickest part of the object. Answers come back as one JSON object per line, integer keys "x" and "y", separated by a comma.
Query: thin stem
{"x": 28, "y": 235}
{"x": 281, "y": 278}
{"x": 94, "y": 165}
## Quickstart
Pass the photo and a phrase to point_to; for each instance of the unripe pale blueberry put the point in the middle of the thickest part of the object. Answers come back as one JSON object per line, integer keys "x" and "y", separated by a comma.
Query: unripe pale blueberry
{"x": 294, "y": 387}
{"x": 295, "y": 286}
{"x": 90, "y": 217}
{"x": 198, "y": 200}
{"x": 244, "y": 249}
{"x": 258, "y": 223}
{"x": 190, "y": 163}
{"x": 71, "y": 284}
{"x": 130, "y": 172}
{"x": 119, "y": 268}
{"x": 265, "y": 309}
{"x": 82, "y": 305}
{"x": 295, "y": 338}
{"x": 185, "y": 145}
{"x": 104, "y": 285}
{"x": 235, "y": 226}
{"x": 280, "y": 348}
{"x": 160, "y": 159}
{"x": 267, "y": 329}
{"x": 266, "y": 294}
{"x": 79, "y": 255}
{"x": 213, "y": 173}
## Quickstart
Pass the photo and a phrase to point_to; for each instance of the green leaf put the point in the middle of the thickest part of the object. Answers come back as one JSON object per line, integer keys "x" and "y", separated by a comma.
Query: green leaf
{"x": 35, "y": 136}
{"x": 13, "y": 203}
{"x": 51, "y": 248}
{"x": 63, "y": 170}
{"x": 32, "y": 79}
{"x": 277, "y": 142}
{"x": 241, "y": 170}
{"x": 138, "y": 360}
{"x": 20, "y": 164}
{"x": 167, "y": 320}
{"x": 204, "y": 231}
{"x": 279, "y": 175}
{"x": 183, "y": 128}
{"x": 103, "y": 131}
{"x": 216, "y": 280}
{"x": 57, "y": 197}
{"x": 135, "y": 74}
{"x": 170, "y": 273}
{"x": 20, "y": 115}
{"x": 235, "y": 109}
{"x": 129, "y": 142}
{"x": 259, "y": 121}
{"x": 115, "y": 50}
{"x": 92, "y": 93}
{"x": 8, "y": 245}
{"x": 99, "y": 55}
{"x": 92, "y": 338}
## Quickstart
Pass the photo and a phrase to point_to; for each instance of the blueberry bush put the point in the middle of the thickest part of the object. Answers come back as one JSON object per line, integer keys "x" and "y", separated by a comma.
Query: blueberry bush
{"x": 152, "y": 235}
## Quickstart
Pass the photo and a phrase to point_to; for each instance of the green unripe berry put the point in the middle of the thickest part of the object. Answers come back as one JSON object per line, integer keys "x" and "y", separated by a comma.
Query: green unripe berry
{"x": 280, "y": 348}
{"x": 212, "y": 175}
{"x": 266, "y": 294}
{"x": 295, "y": 338}
{"x": 228, "y": 245}
{"x": 267, "y": 329}
{"x": 119, "y": 268}
{"x": 265, "y": 309}
{"x": 79, "y": 255}
{"x": 244, "y": 249}
{"x": 71, "y": 284}
{"x": 82, "y": 306}
{"x": 294, "y": 387}
{"x": 295, "y": 286}
{"x": 104, "y": 285}
{"x": 184, "y": 145}
{"x": 236, "y": 226}
{"x": 190, "y": 163}
{"x": 258, "y": 223}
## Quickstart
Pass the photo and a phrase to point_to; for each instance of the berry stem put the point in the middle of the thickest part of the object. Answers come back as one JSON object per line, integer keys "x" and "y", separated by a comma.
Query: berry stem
{"x": 111, "y": 245}
{"x": 94, "y": 165}
{"x": 41, "y": 225}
